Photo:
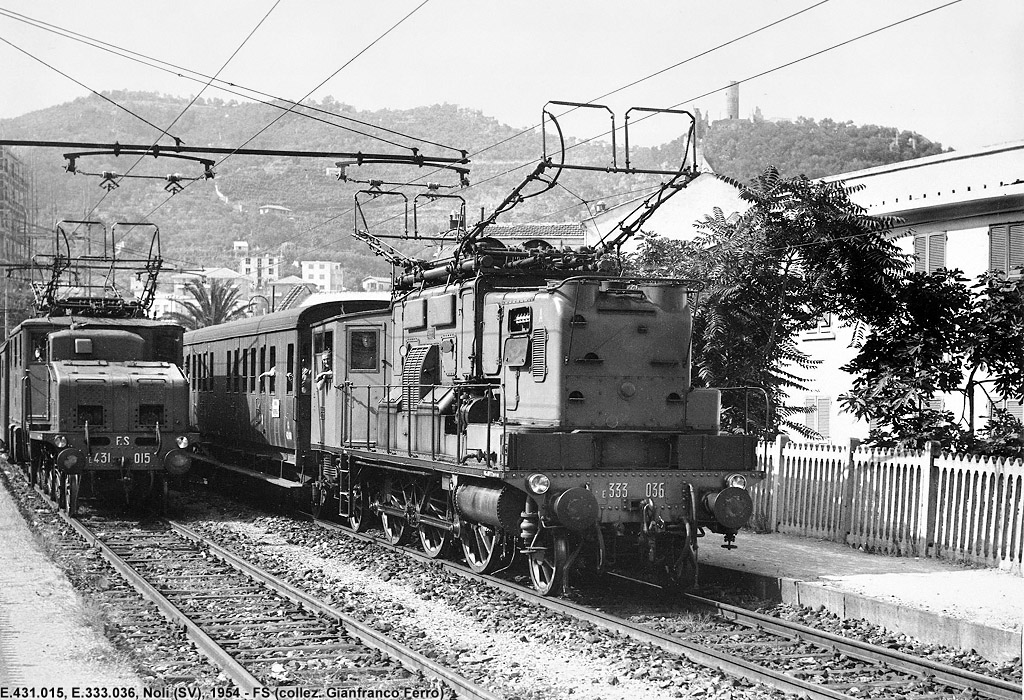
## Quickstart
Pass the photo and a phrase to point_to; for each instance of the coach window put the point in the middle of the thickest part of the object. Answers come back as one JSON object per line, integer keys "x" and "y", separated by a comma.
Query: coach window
{"x": 273, "y": 369}
{"x": 245, "y": 370}
{"x": 263, "y": 370}
{"x": 252, "y": 370}
{"x": 289, "y": 377}
{"x": 227, "y": 373}
{"x": 363, "y": 350}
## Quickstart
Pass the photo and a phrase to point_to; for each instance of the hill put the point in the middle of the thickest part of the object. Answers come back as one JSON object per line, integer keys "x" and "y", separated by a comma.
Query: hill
{"x": 316, "y": 212}
{"x": 742, "y": 148}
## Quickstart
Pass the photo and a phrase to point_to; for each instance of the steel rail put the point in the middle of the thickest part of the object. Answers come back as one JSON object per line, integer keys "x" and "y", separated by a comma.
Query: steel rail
{"x": 698, "y": 654}
{"x": 721, "y": 661}
{"x": 962, "y": 678}
{"x": 408, "y": 657}
{"x": 216, "y": 653}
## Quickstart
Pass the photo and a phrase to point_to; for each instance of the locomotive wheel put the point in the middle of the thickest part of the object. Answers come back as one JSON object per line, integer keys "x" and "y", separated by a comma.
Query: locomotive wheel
{"x": 50, "y": 482}
{"x": 318, "y": 500}
{"x": 72, "y": 483}
{"x": 361, "y": 515}
{"x": 548, "y": 563}
{"x": 436, "y": 541}
{"x": 35, "y": 467}
{"x": 484, "y": 548}
{"x": 62, "y": 490}
{"x": 396, "y": 530}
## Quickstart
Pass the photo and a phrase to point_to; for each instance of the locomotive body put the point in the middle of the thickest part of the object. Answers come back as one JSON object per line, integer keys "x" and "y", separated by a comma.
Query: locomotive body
{"x": 96, "y": 396}
{"x": 551, "y": 416}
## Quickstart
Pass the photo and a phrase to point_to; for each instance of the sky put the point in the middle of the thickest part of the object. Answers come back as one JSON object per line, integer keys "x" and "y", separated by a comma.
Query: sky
{"x": 955, "y": 75}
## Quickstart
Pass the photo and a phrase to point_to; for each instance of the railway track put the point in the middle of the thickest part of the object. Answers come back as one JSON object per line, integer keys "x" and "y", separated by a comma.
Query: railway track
{"x": 784, "y": 655}
{"x": 262, "y": 632}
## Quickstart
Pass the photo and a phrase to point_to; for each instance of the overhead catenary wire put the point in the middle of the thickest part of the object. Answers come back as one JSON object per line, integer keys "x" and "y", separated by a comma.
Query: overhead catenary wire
{"x": 782, "y": 66}
{"x": 746, "y": 79}
{"x": 756, "y": 75}
{"x": 732, "y": 41}
{"x": 222, "y": 85}
{"x": 317, "y": 87}
{"x": 164, "y": 132}
{"x": 83, "y": 85}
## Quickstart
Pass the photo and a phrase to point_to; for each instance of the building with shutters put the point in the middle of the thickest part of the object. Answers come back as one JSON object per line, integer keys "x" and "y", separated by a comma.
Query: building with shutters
{"x": 962, "y": 210}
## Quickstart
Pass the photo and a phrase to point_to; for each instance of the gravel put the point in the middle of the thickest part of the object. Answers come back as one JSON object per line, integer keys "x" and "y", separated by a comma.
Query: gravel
{"x": 518, "y": 649}
{"x": 521, "y": 651}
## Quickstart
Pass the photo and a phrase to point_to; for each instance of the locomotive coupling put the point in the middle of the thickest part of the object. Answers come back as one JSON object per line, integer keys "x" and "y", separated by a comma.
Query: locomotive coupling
{"x": 732, "y": 506}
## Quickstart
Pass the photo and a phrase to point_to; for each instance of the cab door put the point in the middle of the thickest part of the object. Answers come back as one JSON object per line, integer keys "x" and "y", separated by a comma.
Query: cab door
{"x": 362, "y": 358}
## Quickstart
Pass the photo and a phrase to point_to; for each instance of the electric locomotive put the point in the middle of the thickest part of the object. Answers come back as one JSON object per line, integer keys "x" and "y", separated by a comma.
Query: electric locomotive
{"x": 548, "y": 415}
{"x": 91, "y": 387}
{"x": 531, "y": 402}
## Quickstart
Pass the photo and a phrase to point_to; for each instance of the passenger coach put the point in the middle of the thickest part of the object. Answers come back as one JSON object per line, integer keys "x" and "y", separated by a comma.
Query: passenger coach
{"x": 249, "y": 383}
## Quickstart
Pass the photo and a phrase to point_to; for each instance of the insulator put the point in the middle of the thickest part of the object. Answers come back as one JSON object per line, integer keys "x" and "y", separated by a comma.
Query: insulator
{"x": 528, "y": 526}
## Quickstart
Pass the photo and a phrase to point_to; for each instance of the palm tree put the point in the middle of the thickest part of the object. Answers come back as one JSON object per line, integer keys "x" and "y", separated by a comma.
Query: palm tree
{"x": 218, "y": 303}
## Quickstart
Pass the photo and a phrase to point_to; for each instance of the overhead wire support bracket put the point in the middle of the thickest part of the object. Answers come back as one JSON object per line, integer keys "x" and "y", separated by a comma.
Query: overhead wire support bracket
{"x": 458, "y": 165}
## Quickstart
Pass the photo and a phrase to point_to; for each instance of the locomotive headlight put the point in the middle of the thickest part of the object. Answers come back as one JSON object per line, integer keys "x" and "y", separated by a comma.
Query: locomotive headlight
{"x": 182, "y": 441}
{"x": 60, "y": 442}
{"x": 538, "y": 483}
{"x": 737, "y": 480}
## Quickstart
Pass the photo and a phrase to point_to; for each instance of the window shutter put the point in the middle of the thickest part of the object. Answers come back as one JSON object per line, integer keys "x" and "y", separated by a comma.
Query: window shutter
{"x": 824, "y": 406}
{"x": 809, "y": 410}
{"x": 920, "y": 254}
{"x": 997, "y": 247}
{"x": 1016, "y": 246}
{"x": 1015, "y": 409}
{"x": 936, "y": 251}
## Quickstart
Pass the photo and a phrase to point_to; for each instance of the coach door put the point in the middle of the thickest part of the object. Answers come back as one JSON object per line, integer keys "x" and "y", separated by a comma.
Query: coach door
{"x": 362, "y": 357}
{"x": 326, "y": 404}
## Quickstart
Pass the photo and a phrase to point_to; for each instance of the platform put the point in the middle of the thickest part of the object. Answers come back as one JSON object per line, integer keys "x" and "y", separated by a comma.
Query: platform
{"x": 46, "y": 637}
{"x": 936, "y": 601}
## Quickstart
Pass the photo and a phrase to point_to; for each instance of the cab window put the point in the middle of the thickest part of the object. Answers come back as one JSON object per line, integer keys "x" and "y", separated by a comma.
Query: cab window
{"x": 364, "y": 350}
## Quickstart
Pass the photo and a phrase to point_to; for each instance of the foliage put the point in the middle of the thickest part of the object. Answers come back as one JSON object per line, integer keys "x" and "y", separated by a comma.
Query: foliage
{"x": 209, "y": 306}
{"x": 801, "y": 250}
{"x": 944, "y": 337}
{"x": 740, "y": 148}
{"x": 1001, "y": 436}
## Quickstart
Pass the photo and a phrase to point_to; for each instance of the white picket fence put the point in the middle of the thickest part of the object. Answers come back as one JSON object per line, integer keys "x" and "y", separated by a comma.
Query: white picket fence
{"x": 921, "y": 503}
